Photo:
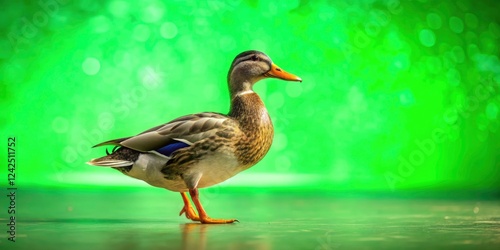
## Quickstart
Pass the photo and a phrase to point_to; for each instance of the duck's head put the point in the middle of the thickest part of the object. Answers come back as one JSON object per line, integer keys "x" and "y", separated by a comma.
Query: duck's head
{"x": 251, "y": 66}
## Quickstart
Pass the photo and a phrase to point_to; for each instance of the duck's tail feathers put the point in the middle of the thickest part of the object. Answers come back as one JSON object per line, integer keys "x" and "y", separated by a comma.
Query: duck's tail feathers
{"x": 115, "y": 142}
{"x": 119, "y": 157}
{"x": 112, "y": 163}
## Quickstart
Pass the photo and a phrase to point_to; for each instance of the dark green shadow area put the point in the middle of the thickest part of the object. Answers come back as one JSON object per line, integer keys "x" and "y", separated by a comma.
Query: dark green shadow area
{"x": 147, "y": 218}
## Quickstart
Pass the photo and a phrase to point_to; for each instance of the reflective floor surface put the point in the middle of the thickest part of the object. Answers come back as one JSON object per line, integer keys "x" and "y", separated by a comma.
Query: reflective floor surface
{"x": 148, "y": 219}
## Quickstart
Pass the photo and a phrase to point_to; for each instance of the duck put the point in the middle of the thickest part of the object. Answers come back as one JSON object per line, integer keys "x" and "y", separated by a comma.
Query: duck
{"x": 201, "y": 150}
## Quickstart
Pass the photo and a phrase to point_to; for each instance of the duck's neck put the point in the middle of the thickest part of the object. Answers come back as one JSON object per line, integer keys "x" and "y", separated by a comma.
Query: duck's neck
{"x": 251, "y": 114}
{"x": 249, "y": 110}
{"x": 238, "y": 85}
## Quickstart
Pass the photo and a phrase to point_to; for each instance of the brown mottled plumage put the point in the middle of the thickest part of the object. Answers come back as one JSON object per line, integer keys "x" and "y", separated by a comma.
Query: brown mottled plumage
{"x": 254, "y": 121}
{"x": 203, "y": 149}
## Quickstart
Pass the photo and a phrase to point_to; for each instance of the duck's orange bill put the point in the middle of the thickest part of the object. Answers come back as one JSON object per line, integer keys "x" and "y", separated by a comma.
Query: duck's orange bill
{"x": 281, "y": 74}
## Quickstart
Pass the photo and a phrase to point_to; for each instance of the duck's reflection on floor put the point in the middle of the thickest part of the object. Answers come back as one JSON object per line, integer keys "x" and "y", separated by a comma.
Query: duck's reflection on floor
{"x": 209, "y": 236}
{"x": 194, "y": 235}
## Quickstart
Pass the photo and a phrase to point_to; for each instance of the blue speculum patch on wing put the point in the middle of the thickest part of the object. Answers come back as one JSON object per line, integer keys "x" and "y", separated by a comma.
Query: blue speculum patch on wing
{"x": 171, "y": 148}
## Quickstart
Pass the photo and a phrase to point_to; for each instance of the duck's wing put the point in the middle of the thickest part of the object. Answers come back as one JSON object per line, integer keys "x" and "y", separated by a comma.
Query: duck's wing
{"x": 186, "y": 130}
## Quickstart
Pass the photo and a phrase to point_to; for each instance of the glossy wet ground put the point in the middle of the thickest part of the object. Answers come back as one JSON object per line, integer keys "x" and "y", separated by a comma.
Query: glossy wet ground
{"x": 148, "y": 219}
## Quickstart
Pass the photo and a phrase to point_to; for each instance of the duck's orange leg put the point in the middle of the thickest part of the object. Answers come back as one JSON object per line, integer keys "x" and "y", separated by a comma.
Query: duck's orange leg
{"x": 188, "y": 209}
{"x": 203, "y": 215}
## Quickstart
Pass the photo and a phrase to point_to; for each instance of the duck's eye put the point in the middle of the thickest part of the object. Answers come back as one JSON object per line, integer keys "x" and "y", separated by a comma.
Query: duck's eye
{"x": 255, "y": 58}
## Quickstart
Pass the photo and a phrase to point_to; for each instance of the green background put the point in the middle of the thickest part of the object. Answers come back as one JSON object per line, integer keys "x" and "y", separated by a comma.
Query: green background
{"x": 395, "y": 95}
